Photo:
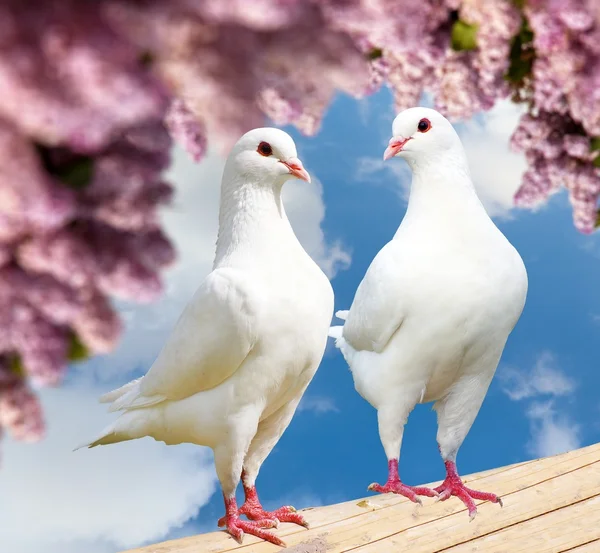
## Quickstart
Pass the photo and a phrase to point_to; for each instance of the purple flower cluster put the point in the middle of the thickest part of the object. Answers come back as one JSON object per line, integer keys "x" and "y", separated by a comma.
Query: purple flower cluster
{"x": 82, "y": 148}
{"x": 564, "y": 93}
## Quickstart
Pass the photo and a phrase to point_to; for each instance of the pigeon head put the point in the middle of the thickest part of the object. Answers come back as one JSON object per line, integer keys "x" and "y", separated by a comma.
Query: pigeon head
{"x": 421, "y": 133}
{"x": 267, "y": 156}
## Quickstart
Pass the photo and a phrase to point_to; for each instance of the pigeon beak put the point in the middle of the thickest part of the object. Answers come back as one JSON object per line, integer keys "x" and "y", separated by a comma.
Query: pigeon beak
{"x": 396, "y": 144}
{"x": 296, "y": 168}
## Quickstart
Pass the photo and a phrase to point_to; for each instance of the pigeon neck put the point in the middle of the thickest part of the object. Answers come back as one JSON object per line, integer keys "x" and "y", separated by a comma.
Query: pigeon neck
{"x": 442, "y": 190}
{"x": 250, "y": 215}
{"x": 442, "y": 197}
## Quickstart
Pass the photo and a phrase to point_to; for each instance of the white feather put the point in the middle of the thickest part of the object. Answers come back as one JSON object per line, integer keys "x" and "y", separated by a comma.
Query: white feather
{"x": 247, "y": 345}
{"x": 430, "y": 318}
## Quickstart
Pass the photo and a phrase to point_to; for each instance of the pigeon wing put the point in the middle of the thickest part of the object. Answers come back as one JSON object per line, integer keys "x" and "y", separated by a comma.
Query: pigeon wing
{"x": 210, "y": 341}
{"x": 377, "y": 311}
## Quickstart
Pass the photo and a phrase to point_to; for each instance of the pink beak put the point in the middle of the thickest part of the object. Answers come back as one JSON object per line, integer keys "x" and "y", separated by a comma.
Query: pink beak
{"x": 296, "y": 168}
{"x": 396, "y": 144}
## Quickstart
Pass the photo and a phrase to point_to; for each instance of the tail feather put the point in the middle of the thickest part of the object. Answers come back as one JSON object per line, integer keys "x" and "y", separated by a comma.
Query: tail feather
{"x": 111, "y": 396}
{"x": 131, "y": 425}
{"x": 343, "y": 315}
{"x": 133, "y": 400}
{"x": 129, "y": 396}
{"x": 337, "y": 331}
{"x": 108, "y": 436}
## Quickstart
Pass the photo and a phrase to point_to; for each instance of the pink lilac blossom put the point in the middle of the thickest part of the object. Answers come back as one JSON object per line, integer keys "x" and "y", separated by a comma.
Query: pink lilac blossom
{"x": 83, "y": 147}
{"x": 565, "y": 106}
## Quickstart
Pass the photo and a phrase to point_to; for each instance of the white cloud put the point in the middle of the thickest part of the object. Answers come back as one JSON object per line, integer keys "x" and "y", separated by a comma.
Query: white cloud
{"x": 495, "y": 169}
{"x": 109, "y": 498}
{"x": 551, "y": 432}
{"x": 545, "y": 379}
{"x": 318, "y": 404}
{"x": 375, "y": 170}
{"x": 100, "y": 500}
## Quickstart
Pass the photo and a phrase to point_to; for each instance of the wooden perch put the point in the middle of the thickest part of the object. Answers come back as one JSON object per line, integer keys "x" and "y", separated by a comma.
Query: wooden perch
{"x": 551, "y": 505}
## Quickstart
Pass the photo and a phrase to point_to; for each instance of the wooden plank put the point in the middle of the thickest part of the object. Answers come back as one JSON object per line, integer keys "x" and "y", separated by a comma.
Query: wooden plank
{"x": 392, "y": 513}
{"x": 355, "y": 531}
{"x": 590, "y": 547}
{"x": 552, "y": 532}
{"x": 526, "y": 507}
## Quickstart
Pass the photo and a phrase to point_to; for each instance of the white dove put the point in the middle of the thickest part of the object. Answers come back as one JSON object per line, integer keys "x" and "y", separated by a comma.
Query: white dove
{"x": 432, "y": 315}
{"x": 247, "y": 345}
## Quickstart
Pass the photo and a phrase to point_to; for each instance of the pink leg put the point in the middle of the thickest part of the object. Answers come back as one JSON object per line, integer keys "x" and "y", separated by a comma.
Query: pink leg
{"x": 453, "y": 485}
{"x": 254, "y": 510}
{"x": 237, "y": 528}
{"x": 394, "y": 485}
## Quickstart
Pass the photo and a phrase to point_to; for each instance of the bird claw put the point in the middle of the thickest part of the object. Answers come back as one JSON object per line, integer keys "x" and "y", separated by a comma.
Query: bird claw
{"x": 455, "y": 487}
{"x": 237, "y": 528}
{"x": 397, "y": 487}
{"x": 255, "y": 512}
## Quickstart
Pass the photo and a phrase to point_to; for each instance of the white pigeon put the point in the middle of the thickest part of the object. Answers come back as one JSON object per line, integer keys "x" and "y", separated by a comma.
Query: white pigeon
{"x": 430, "y": 319}
{"x": 247, "y": 345}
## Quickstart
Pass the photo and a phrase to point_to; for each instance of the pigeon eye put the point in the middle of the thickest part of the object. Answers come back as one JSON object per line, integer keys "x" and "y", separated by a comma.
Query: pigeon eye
{"x": 424, "y": 125}
{"x": 264, "y": 149}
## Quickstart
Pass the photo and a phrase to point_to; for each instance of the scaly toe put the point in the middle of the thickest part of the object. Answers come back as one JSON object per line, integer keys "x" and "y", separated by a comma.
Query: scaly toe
{"x": 238, "y": 528}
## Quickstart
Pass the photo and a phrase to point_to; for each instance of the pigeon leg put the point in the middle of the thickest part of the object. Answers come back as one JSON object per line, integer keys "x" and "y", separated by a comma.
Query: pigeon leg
{"x": 456, "y": 413}
{"x": 394, "y": 485}
{"x": 391, "y": 429}
{"x": 237, "y": 527}
{"x": 268, "y": 434}
{"x": 454, "y": 486}
{"x": 229, "y": 457}
{"x": 253, "y": 509}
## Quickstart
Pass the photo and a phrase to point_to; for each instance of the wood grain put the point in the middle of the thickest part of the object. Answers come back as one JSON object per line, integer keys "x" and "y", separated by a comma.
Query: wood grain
{"x": 551, "y": 505}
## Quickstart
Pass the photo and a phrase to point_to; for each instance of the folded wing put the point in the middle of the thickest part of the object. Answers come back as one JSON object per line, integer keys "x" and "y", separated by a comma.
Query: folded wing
{"x": 377, "y": 311}
{"x": 210, "y": 341}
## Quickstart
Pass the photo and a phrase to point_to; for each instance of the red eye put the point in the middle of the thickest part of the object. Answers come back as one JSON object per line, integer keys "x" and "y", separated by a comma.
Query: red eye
{"x": 264, "y": 149}
{"x": 424, "y": 125}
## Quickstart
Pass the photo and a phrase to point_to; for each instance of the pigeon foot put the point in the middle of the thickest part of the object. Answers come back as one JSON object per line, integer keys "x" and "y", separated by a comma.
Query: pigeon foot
{"x": 237, "y": 527}
{"x": 254, "y": 511}
{"x": 410, "y": 492}
{"x": 454, "y": 486}
{"x": 394, "y": 485}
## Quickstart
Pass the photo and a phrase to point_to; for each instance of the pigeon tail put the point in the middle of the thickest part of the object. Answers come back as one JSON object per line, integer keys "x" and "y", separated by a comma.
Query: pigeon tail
{"x": 113, "y": 395}
{"x": 108, "y": 436}
{"x": 343, "y": 314}
{"x": 129, "y": 426}
{"x": 130, "y": 396}
{"x": 337, "y": 331}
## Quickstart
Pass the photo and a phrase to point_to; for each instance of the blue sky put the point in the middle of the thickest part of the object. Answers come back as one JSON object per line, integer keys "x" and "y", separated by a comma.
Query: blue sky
{"x": 542, "y": 400}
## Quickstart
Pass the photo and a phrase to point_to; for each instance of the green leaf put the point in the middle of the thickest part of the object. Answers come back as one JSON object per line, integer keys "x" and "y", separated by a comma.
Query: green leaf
{"x": 596, "y": 162}
{"x": 78, "y": 173}
{"x": 464, "y": 36}
{"x": 77, "y": 350}
{"x": 594, "y": 143}
{"x": 522, "y": 55}
{"x": 375, "y": 53}
{"x": 597, "y": 223}
{"x": 16, "y": 366}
